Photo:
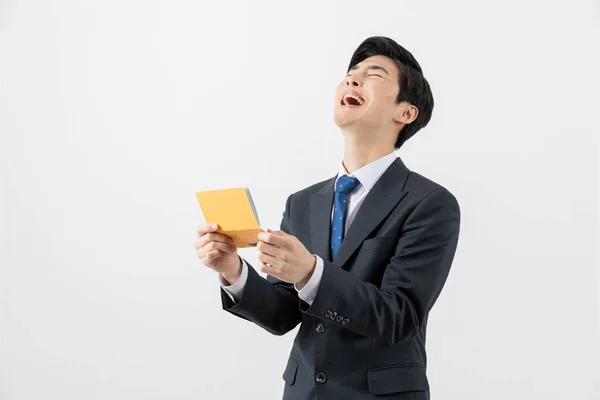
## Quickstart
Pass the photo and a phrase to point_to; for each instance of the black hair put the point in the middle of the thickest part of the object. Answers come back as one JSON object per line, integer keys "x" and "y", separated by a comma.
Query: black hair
{"x": 414, "y": 88}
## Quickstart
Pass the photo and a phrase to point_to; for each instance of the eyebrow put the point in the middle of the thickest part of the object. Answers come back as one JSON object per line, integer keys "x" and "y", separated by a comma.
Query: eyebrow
{"x": 377, "y": 67}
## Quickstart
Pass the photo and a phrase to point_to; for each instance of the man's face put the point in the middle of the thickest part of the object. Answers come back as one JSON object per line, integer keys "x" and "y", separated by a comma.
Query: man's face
{"x": 366, "y": 98}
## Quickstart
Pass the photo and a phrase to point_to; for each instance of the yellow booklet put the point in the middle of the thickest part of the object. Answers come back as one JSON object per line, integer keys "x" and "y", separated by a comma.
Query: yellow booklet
{"x": 233, "y": 210}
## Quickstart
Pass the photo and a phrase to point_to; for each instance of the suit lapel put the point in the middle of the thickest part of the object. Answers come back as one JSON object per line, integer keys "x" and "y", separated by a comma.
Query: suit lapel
{"x": 320, "y": 219}
{"x": 382, "y": 198}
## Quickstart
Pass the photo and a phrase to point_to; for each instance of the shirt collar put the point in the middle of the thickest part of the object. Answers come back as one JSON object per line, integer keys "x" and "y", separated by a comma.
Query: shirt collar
{"x": 370, "y": 173}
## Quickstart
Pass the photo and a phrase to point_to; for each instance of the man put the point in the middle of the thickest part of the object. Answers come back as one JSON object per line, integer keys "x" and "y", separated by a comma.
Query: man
{"x": 360, "y": 258}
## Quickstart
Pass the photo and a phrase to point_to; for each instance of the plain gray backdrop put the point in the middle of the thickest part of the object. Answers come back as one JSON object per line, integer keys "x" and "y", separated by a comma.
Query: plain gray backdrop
{"x": 114, "y": 113}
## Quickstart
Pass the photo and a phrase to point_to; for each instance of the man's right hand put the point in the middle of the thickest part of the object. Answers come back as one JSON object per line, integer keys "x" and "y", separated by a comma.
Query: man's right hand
{"x": 218, "y": 252}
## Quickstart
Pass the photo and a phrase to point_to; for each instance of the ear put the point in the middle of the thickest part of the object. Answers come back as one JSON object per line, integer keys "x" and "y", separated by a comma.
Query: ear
{"x": 407, "y": 113}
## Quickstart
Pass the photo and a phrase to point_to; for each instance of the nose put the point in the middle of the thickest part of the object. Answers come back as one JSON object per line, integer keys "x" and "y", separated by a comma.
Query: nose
{"x": 352, "y": 81}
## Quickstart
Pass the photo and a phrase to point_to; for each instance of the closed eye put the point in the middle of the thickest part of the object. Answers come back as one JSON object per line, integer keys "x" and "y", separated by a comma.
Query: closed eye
{"x": 375, "y": 75}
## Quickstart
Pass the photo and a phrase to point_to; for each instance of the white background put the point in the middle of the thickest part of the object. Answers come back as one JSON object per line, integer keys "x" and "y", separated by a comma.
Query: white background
{"x": 114, "y": 113}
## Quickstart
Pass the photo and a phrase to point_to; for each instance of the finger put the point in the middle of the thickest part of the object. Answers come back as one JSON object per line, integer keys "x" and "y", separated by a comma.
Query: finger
{"x": 199, "y": 243}
{"x": 201, "y": 253}
{"x": 267, "y": 269}
{"x": 205, "y": 228}
{"x": 212, "y": 255}
{"x": 267, "y": 259}
{"x": 214, "y": 237}
{"x": 272, "y": 238}
{"x": 269, "y": 249}
{"x": 224, "y": 247}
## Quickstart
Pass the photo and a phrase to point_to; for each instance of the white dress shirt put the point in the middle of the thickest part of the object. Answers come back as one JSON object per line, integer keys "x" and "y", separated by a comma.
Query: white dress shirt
{"x": 367, "y": 176}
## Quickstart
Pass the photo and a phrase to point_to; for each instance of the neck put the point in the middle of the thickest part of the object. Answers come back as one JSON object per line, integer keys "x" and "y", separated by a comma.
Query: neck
{"x": 360, "y": 150}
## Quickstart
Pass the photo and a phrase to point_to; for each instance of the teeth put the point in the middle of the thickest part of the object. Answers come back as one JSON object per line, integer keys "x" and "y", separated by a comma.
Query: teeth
{"x": 358, "y": 99}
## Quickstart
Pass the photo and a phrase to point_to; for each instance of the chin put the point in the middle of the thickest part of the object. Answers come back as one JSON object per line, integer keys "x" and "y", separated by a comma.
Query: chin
{"x": 349, "y": 126}
{"x": 342, "y": 120}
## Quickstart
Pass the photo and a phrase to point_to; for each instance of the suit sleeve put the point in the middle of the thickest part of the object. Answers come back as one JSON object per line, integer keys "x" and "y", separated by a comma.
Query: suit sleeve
{"x": 411, "y": 283}
{"x": 269, "y": 303}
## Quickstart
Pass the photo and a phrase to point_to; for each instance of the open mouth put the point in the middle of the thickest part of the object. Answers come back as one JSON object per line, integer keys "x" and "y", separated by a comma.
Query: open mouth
{"x": 352, "y": 100}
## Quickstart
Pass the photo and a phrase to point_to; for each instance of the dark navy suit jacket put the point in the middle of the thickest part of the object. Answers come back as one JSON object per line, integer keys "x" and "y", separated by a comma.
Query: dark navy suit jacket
{"x": 363, "y": 337}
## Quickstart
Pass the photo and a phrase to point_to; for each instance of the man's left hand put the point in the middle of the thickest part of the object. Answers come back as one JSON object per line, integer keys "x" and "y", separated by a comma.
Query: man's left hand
{"x": 289, "y": 260}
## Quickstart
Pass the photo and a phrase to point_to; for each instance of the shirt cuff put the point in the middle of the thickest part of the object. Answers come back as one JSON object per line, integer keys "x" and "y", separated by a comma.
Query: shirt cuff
{"x": 236, "y": 290}
{"x": 308, "y": 291}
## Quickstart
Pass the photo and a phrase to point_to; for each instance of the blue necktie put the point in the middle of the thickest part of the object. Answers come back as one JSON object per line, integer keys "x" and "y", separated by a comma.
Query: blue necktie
{"x": 344, "y": 185}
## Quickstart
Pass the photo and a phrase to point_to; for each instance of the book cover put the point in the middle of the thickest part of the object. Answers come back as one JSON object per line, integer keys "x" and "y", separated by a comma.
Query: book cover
{"x": 234, "y": 211}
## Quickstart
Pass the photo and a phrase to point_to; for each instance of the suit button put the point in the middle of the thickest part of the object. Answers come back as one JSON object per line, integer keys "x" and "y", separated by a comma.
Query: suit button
{"x": 320, "y": 328}
{"x": 321, "y": 377}
{"x": 339, "y": 318}
{"x": 332, "y": 316}
{"x": 328, "y": 314}
{"x": 345, "y": 321}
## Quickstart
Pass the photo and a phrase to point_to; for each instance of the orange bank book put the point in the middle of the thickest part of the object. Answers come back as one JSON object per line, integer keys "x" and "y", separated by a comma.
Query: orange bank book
{"x": 233, "y": 210}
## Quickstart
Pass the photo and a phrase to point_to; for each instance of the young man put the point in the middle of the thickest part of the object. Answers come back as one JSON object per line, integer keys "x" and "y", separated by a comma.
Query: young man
{"x": 361, "y": 257}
